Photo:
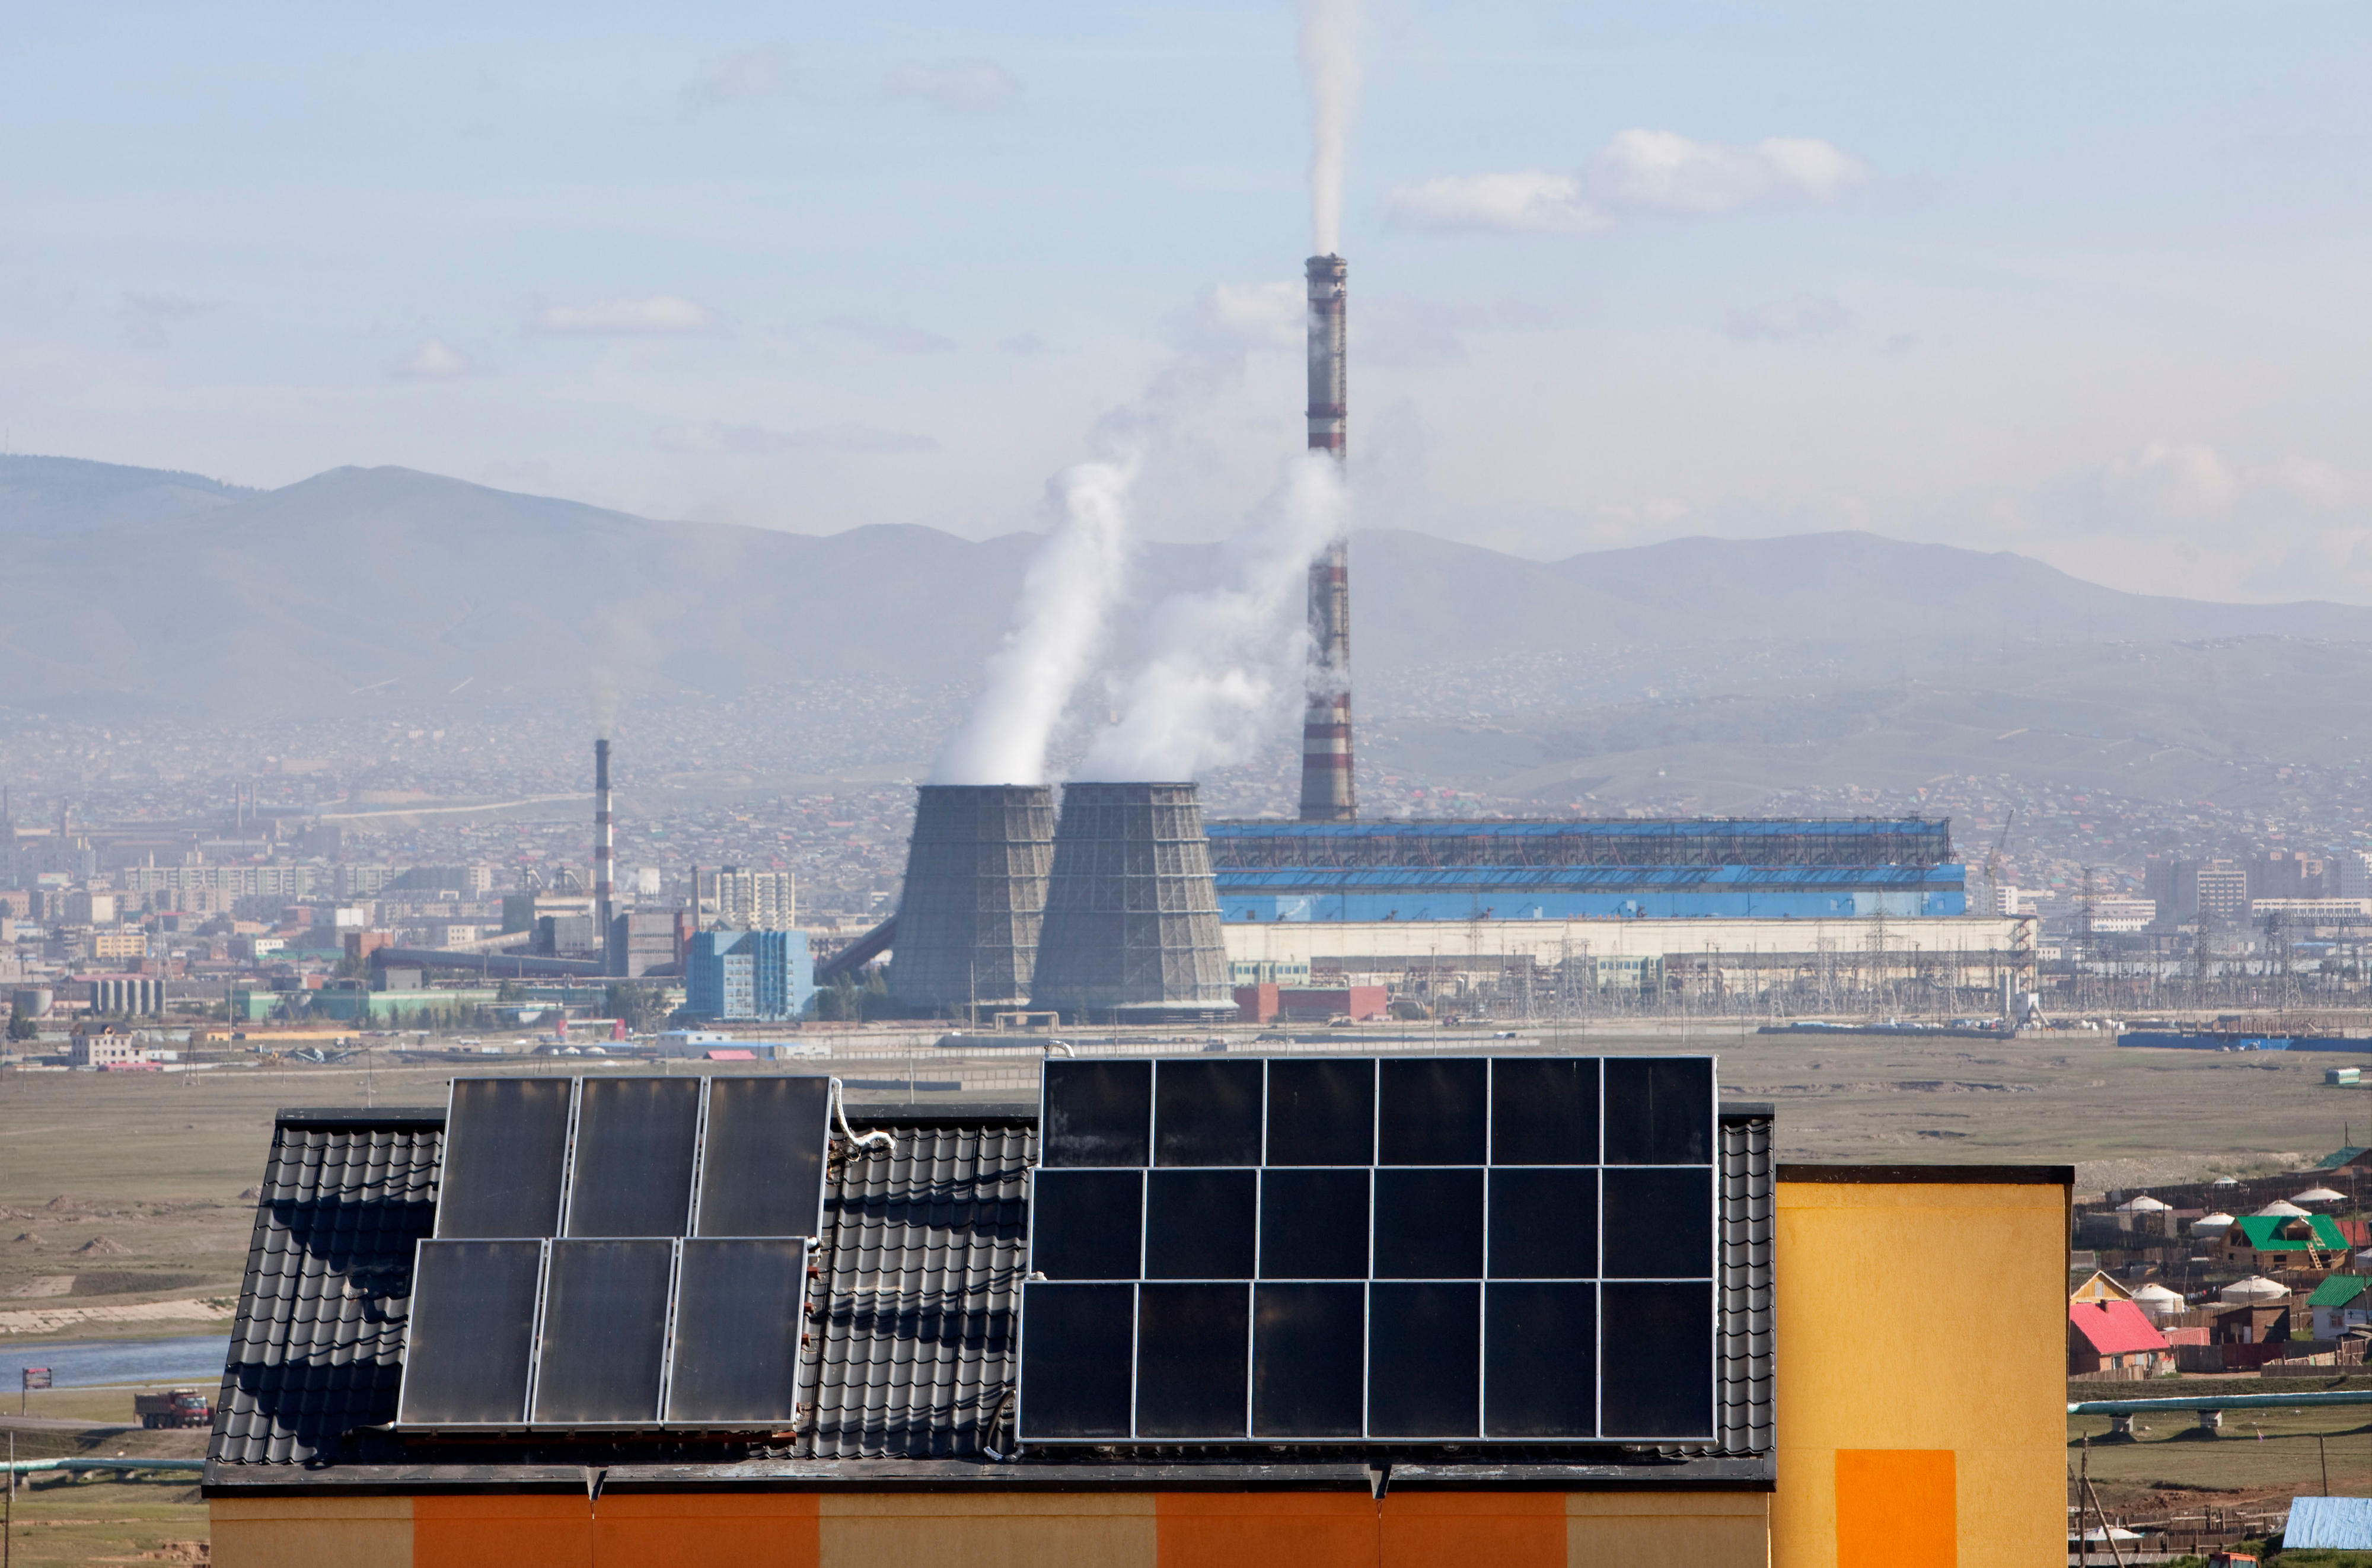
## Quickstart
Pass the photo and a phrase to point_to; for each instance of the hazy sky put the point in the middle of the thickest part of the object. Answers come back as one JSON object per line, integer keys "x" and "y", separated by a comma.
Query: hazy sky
{"x": 2086, "y": 282}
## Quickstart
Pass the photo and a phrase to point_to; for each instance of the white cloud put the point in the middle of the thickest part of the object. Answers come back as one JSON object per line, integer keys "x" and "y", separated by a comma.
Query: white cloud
{"x": 895, "y": 339}
{"x": 2172, "y": 479}
{"x": 1664, "y": 171}
{"x": 754, "y": 441}
{"x": 956, "y": 86}
{"x": 627, "y": 318}
{"x": 744, "y": 76}
{"x": 434, "y": 360}
{"x": 1636, "y": 171}
{"x": 1784, "y": 320}
{"x": 146, "y": 316}
{"x": 1525, "y": 201}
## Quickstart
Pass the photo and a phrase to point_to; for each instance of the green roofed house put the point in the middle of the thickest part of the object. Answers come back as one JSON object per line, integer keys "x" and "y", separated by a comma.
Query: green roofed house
{"x": 2341, "y": 1303}
{"x": 2266, "y": 1242}
{"x": 2341, "y": 1160}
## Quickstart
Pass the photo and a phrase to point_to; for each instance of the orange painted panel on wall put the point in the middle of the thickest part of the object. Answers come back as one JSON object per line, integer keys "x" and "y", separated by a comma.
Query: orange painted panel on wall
{"x": 1897, "y": 1508}
{"x": 539, "y": 1530}
{"x": 1286, "y": 1529}
{"x": 1322, "y": 1530}
{"x": 1504, "y": 1529}
{"x": 692, "y": 1531}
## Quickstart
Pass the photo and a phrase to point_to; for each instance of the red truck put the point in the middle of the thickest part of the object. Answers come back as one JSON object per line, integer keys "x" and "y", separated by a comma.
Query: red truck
{"x": 174, "y": 1407}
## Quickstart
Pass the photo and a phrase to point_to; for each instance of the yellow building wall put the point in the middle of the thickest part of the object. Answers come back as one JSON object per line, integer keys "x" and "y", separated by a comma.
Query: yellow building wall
{"x": 1911, "y": 1435}
{"x": 312, "y": 1532}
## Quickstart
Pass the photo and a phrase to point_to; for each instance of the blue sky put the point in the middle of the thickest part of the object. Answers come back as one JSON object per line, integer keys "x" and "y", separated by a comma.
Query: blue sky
{"x": 2085, "y": 281}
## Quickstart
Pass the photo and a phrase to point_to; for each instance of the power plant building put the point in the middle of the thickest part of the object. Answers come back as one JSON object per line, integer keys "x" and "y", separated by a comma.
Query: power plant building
{"x": 1626, "y": 869}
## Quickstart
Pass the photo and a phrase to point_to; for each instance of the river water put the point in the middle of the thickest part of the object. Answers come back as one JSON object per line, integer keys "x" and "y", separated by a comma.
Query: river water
{"x": 191, "y": 1358}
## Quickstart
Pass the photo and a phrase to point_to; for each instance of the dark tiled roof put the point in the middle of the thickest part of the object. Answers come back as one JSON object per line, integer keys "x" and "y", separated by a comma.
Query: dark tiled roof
{"x": 921, "y": 1263}
{"x": 317, "y": 1349}
{"x": 1746, "y": 1284}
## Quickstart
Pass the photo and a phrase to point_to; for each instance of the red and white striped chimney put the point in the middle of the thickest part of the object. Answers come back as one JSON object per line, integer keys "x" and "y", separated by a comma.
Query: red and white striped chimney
{"x": 1326, "y": 793}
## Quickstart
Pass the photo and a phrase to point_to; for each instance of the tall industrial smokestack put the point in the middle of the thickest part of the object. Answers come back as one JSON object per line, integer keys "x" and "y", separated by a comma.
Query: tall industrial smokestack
{"x": 603, "y": 849}
{"x": 1326, "y": 721}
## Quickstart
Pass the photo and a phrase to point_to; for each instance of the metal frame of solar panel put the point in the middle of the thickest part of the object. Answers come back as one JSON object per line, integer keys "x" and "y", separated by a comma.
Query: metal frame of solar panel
{"x": 617, "y": 1253}
{"x": 1372, "y": 1249}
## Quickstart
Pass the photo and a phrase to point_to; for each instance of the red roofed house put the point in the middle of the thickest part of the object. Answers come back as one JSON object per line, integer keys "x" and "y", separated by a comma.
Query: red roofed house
{"x": 2105, "y": 1335}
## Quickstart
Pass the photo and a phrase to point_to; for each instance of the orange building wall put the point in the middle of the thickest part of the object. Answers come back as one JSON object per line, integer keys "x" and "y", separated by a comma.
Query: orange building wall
{"x": 1515, "y": 1529}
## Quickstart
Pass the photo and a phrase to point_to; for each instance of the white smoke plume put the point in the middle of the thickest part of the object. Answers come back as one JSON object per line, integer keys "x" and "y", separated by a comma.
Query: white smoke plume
{"x": 1226, "y": 668}
{"x": 1329, "y": 60}
{"x": 1059, "y": 627}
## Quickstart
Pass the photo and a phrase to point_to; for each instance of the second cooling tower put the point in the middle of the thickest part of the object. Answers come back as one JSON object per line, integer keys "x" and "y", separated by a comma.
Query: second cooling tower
{"x": 975, "y": 891}
{"x": 1131, "y": 929}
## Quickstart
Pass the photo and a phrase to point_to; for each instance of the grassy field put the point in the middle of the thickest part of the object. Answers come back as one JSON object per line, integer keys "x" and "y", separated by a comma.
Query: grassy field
{"x": 66, "y": 1519}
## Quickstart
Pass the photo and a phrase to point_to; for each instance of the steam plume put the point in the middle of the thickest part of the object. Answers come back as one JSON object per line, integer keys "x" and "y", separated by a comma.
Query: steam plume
{"x": 1058, "y": 629}
{"x": 1227, "y": 664}
{"x": 1329, "y": 59}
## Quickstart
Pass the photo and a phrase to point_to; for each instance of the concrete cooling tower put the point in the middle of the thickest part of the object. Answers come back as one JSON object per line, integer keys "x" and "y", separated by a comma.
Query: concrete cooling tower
{"x": 1132, "y": 927}
{"x": 975, "y": 893}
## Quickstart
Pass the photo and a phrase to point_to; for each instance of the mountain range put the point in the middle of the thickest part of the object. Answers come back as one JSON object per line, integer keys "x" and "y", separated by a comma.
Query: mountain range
{"x": 147, "y": 586}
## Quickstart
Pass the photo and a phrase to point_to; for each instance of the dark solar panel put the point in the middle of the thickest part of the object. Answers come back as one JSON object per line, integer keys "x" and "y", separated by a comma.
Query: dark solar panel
{"x": 506, "y": 1149}
{"x": 1207, "y": 1113}
{"x": 761, "y": 1160}
{"x": 1544, "y": 1223}
{"x": 1310, "y": 1360}
{"x": 1428, "y": 1248}
{"x": 604, "y": 1343}
{"x": 1428, "y": 1223}
{"x": 1432, "y": 1111}
{"x": 1076, "y": 1353}
{"x": 1201, "y": 1225}
{"x": 1659, "y": 1223}
{"x": 1659, "y": 1110}
{"x": 1544, "y": 1110}
{"x": 468, "y": 1347}
{"x": 1086, "y": 1225}
{"x": 1656, "y": 1371}
{"x": 1096, "y": 1113}
{"x": 1321, "y": 1112}
{"x": 1423, "y": 1374}
{"x": 636, "y": 1140}
{"x": 602, "y": 1328}
{"x": 1540, "y": 1368}
{"x": 1314, "y": 1225}
{"x": 737, "y": 1333}
{"x": 1192, "y": 1344}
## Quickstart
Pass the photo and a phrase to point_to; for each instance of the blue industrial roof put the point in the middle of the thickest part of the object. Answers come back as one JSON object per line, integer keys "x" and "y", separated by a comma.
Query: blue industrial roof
{"x": 1701, "y": 827}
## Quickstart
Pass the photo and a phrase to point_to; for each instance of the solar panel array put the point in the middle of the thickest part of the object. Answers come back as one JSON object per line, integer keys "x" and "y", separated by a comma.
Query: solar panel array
{"x": 617, "y": 1252}
{"x": 1420, "y": 1249}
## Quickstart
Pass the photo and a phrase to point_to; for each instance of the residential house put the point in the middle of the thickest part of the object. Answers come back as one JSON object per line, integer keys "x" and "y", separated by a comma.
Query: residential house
{"x": 2112, "y": 1336}
{"x": 2099, "y": 1287}
{"x": 2339, "y": 1303}
{"x": 2299, "y": 1243}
